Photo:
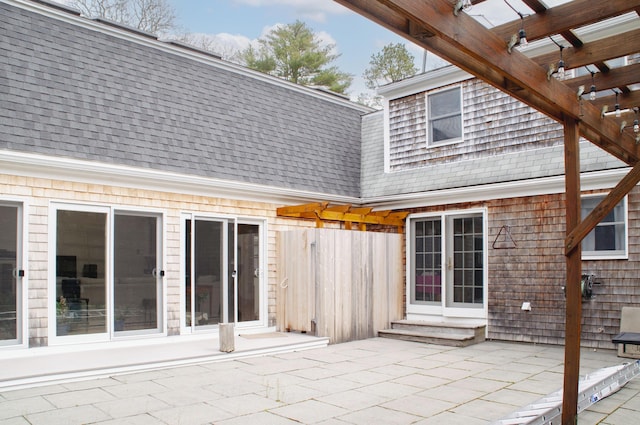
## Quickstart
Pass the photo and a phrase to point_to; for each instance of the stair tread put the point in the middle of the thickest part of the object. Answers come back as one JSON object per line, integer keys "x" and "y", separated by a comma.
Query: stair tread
{"x": 435, "y": 335}
{"x": 437, "y": 324}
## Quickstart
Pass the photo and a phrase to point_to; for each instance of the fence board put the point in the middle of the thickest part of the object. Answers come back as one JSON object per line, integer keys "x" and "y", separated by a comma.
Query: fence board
{"x": 349, "y": 282}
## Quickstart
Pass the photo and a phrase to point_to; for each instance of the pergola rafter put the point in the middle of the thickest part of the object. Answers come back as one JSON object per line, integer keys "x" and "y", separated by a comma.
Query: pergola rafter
{"x": 564, "y": 18}
{"x": 464, "y": 42}
{"x": 347, "y": 214}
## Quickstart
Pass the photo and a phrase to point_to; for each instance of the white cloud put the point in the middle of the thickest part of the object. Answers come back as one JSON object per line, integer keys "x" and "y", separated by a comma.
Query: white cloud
{"x": 316, "y": 10}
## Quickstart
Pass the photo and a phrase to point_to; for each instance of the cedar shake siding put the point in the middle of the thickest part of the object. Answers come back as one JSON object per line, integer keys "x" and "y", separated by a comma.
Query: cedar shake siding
{"x": 534, "y": 271}
{"x": 493, "y": 124}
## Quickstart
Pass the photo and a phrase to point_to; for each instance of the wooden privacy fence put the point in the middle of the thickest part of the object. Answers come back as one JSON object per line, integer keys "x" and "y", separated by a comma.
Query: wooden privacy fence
{"x": 339, "y": 284}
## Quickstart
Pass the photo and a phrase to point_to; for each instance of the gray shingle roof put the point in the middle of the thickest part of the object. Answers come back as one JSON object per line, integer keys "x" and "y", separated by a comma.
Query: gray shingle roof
{"x": 510, "y": 167}
{"x": 72, "y": 91}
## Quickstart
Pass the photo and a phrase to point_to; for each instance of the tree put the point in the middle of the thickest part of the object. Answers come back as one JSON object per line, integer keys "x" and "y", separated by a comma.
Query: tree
{"x": 392, "y": 63}
{"x": 295, "y": 53}
{"x": 152, "y": 16}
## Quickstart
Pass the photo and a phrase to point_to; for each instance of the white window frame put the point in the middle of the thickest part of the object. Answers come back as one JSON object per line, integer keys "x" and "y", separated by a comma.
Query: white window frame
{"x": 610, "y": 255}
{"x": 431, "y": 143}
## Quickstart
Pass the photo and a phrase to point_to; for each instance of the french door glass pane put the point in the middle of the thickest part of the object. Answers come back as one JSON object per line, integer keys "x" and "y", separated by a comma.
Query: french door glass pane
{"x": 81, "y": 295}
{"x": 135, "y": 273}
{"x": 9, "y": 292}
{"x": 468, "y": 285}
{"x": 248, "y": 272}
{"x": 428, "y": 259}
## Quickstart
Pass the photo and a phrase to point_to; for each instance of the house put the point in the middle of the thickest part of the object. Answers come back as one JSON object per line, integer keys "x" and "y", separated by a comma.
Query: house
{"x": 140, "y": 179}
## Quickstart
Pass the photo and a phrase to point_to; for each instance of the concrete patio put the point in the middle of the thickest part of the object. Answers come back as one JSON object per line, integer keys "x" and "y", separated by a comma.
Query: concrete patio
{"x": 375, "y": 381}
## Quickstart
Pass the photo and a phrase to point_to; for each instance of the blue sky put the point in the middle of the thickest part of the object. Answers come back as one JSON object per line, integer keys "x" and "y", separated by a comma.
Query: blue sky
{"x": 236, "y": 23}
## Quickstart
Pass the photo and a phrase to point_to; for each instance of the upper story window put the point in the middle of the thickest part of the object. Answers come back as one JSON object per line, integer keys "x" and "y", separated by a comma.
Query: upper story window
{"x": 609, "y": 238}
{"x": 444, "y": 109}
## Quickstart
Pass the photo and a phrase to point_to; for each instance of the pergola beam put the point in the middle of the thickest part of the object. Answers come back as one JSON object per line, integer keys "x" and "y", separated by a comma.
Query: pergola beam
{"x": 617, "y": 77}
{"x": 563, "y": 18}
{"x": 625, "y": 100}
{"x": 580, "y": 231}
{"x": 573, "y": 313}
{"x": 596, "y": 51}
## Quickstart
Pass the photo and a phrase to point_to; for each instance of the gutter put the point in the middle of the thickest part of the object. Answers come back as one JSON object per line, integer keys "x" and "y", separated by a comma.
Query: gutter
{"x": 63, "y": 168}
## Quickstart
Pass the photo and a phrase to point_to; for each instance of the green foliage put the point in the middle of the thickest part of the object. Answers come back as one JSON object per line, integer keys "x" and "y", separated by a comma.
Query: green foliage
{"x": 295, "y": 53}
{"x": 391, "y": 64}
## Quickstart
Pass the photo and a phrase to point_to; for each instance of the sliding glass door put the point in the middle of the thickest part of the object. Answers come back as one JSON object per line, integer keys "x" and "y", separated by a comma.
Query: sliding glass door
{"x": 248, "y": 279}
{"x": 81, "y": 272}
{"x": 137, "y": 280}
{"x": 10, "y": 284}
{"x": 222, "y": 272}
{"x": 207, "y": 266}
{"x": 107, "y": 265}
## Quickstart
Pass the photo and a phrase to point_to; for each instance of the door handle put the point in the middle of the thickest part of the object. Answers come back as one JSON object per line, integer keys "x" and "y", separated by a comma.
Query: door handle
{"x": 449, "y": 263}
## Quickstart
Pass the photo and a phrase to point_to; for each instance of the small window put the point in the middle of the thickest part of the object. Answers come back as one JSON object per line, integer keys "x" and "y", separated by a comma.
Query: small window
{"x": 609, "y": 238}
{"x": 445, "y": 116}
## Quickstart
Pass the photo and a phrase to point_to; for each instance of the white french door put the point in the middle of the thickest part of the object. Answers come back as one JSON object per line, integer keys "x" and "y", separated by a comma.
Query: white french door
{"x": 446, "y": 265}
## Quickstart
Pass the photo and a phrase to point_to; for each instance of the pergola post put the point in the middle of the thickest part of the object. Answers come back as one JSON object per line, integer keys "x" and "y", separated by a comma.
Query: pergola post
{"x": 574, "y": 275}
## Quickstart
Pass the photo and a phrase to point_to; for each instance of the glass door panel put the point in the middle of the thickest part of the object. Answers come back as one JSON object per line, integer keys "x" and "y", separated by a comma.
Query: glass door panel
{"x": 427, "y": 273}
{"x": 81, "y": 292}
{"x": 465, "y": 261}
{"x": 231, "y": 287}
{"x": 208, "y": 267}
{"x": 136, "y": 282}
{"x": 248, "y": 272}
{"x": 10, "y": 294}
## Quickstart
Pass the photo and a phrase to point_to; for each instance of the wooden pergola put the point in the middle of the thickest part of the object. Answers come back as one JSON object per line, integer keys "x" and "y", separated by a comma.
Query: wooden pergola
{"x": 347, "y": 214}
{"x": 492, "y": 55}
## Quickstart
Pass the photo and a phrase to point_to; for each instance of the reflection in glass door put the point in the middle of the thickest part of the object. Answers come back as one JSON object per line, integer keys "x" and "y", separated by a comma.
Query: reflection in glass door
{"x": 466, "y": 262}
{"x": 81, "y": 291}
{"x": 427, "y": 273}
{"x": 216, "y": 291}
{"x": 137, "y": 289}
{"x": 248, "y": 279}
{"x": 10, "y": 291}
{"x": 205, "y": 272}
